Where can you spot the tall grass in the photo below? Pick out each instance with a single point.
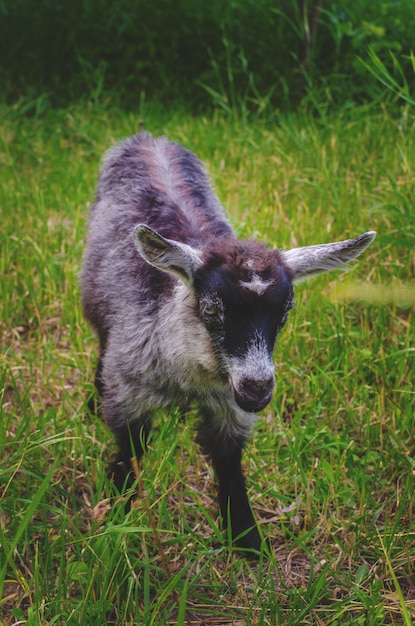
(331, 465)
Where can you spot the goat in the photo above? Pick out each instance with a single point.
(185, 310)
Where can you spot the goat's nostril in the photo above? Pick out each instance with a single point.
(252, 387)
(257, 388)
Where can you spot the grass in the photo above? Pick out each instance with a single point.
(331, 468)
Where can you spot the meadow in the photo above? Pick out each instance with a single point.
(331, 464)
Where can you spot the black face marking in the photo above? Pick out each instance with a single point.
(236, 316)
(255, 316)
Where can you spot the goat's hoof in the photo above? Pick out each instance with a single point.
(251, 544)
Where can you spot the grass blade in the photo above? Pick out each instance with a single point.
(23, 524)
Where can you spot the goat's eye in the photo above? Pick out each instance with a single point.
(210, 310)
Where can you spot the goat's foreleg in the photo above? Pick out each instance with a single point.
(225, 452)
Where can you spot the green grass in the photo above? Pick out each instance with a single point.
(331, 469)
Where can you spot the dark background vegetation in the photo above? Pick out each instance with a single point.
(266, 53)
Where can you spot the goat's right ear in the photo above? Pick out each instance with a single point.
(167, 255)
(312, 260)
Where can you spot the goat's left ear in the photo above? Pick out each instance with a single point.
(165, 254)
(312, 260)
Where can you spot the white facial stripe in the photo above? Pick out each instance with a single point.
(256, 285)
(255, 364)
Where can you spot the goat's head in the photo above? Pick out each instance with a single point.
(244, 292)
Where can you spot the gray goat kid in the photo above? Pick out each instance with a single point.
(186, 311)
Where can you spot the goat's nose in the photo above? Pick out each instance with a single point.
(257, 388)
(253, 394)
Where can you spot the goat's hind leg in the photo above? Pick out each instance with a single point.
(132, 442)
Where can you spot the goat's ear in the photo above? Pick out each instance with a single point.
(312, 260)
(165, 254)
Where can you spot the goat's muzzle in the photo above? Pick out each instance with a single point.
(253, 395)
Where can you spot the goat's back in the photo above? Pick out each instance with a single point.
(161, 184)
(154, 182)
